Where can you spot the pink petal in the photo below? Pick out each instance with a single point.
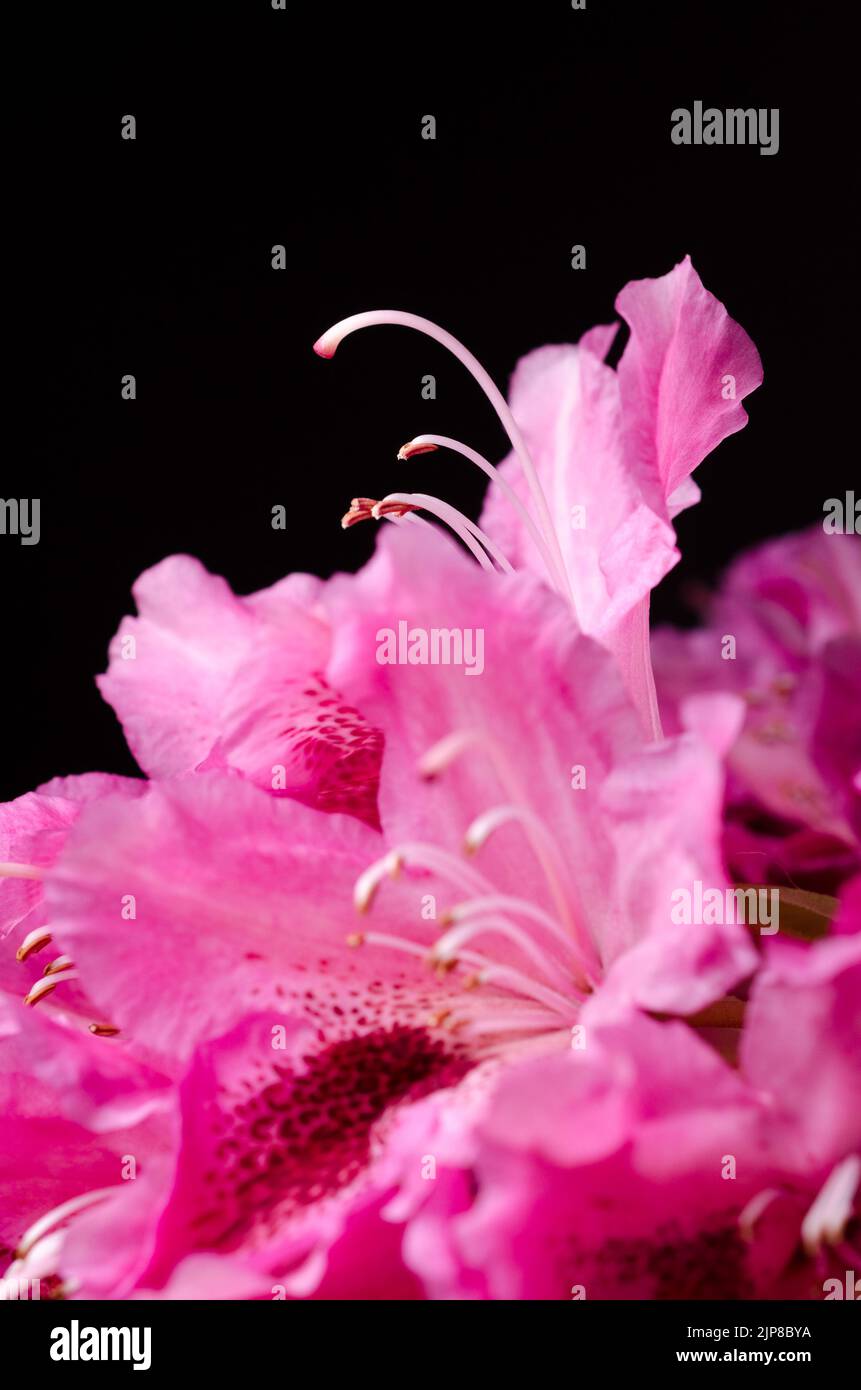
(625, 1200)
(614, 452)
(801, 1047)
(547, 699)
(567, 404)
(33, 829)
(241, 901)
(793, 610)
(220, 681)
(683, 345)
(277, 1146)
(665, 809)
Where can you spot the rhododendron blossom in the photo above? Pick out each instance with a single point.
(365, 912)
(605, 458)
(643, 1167)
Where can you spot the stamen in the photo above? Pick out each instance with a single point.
(392, 943)
(447, 955)
(509, 1023)
(465, 529)
(445, 752)
(34, 941)
(422, 444)
(449, 946)
(832, 1208)
(43, 1266)
(47, 985)
(518, 983)
(419, 856)
(753, 1211)
(460, 531)
(21, 871)
(514, 979)
(369, 880)
(52, 1219)
(547, 852)
(369, 509)
(452, 513)
(361, 509)
(481, 829)
(103, 1030)
(411, 518)
(42, 1261)
(463, 912)
(327, 345)
(55, 966)
(544, 845)
(429, 443)
(391, 506)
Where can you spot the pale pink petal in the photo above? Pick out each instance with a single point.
(48, 1064)
(33, 829)
(614, 547)
(545, 701)
(205, 679)
(614, 451)
(240, 900)
(677, 401)
(665, 810)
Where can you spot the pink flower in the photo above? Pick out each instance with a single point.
(514, 829)
(242, 907)
(242, 925)
(792, 612)
(643, 1167)
(605, 457)
(572, 879)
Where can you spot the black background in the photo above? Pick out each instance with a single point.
(257, 127)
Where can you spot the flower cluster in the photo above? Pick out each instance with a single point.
(371, 987)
